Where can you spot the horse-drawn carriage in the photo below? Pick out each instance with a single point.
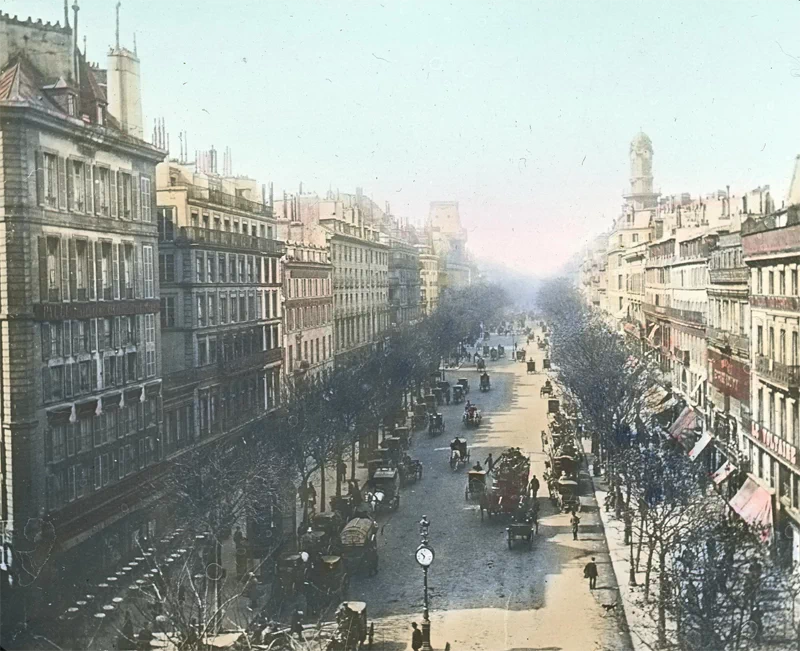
(521, 355)
(542, 344)
(359, 545)
(404, 434)
(485, 383)
(327, 580)
(546, 390)
(436, 424)
(352, 628)
(476, 484)
(472, 416)
(290, 570)
(464, 382)
(420, 415)
(568, 495)
(459, 453)
(480, 364)
(430, 402)
(458, 394)
(546, 364)
(521, 529)
(493, 354)
(384, 489)
(410, 470)
(531, 366)
(444, 387)
(501, 351)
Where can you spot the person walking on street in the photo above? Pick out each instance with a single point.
(416, 637)
(590, 572)
(574, 521)
(341, 470)
(489, 463)
(534, 486)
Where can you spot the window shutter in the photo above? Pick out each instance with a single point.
(135, 197)
(137, 271)
(98, 261)
(92, 335)
(115, 269)
(45, 329)
(71, 189)
(112, 177)
(73, 270)
(120, 196)
(43, 285)
(62, 183)
(66, 338)
(90, 269)
(39, 159)
(63, 254)
(96, 190)
(46, 389)
(89, 198)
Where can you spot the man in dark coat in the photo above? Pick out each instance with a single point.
(590, 572)
(416, 637)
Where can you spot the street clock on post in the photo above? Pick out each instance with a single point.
(424, 556)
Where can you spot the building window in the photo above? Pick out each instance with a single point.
(78, 186)
(166, 267)
(149, 289)
(150, 344)
(221, 267)
(167, 311)
(147, 209)
(125, 196)
(51, 180)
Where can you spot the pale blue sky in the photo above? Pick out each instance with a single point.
(522, 111)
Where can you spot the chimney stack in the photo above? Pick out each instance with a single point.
(75, 70)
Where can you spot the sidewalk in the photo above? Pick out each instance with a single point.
(641, 625)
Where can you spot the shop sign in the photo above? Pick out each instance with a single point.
(730, 377)
(776, 444)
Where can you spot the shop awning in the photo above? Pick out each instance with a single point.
(652, 334)
(753, 503)
(685, 421)
(701, 444)
(632, 329)
(722, 473)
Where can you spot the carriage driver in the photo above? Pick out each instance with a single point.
(478, 467)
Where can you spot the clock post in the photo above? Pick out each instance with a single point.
(424, 556)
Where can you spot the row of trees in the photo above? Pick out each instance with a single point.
(709, 577)
(250, 480)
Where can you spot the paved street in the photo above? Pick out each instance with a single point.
(484, 596)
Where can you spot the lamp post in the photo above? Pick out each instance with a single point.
(424, 556)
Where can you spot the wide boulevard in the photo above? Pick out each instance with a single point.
(483, 595)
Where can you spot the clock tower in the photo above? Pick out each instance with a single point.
(641, 195)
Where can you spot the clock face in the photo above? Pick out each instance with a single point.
(424, 556)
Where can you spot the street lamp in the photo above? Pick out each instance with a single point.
(424, 556)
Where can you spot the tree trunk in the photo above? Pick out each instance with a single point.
(338, 475)
(641, 539)
(663, 595)
(649, 568)
(322, 492)
(353, 460)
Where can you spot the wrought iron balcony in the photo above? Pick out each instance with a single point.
(689, 316)
(225, 200)
(781, 303)
(782, 374)
(737, 275)
(723, 339)
(198, 235)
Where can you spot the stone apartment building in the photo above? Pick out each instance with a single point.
(403, 273)
(221, 303)
(449, 241)
(308, 295)
(81, 370)
(429, 272)
(360, 266)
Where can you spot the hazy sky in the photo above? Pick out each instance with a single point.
(521, 111)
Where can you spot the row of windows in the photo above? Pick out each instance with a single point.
(348, 253)
(358, 330)
(75, 185)
(212, 308)
(228, 225)
(771, 413)
(68, 484)
(363, 277)
(775, 282)
(728, 315)
(310, 316)
(92, 431)
(308, 287)
(306, 255)
(776, 348)
(78, 337)
(237, 345)
(227, 268)
(313, 351)
(78, 269)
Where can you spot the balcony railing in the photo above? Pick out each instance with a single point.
(782, 303)
(654, 309)
(724, 339)
(783, 374)
(689, 316)
(225, 200)
(196, 234)
(259, 358)
(725, 276)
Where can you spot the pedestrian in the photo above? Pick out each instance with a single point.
(311, 497)
(416, 637)
(590, 572)
(534, 486)
(574, 521)
(341, 470)
(489, 462)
